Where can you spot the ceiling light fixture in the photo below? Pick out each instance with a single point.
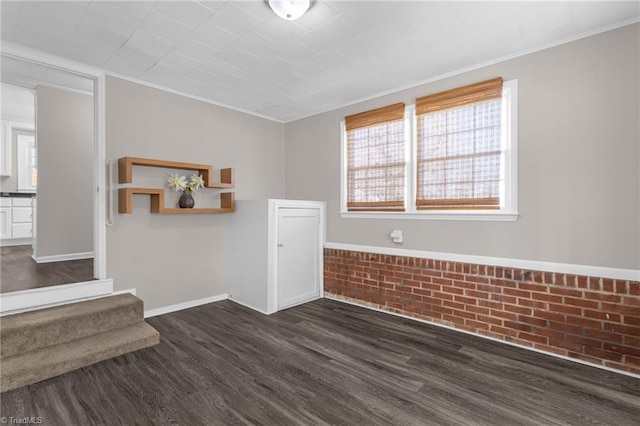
(289, 9)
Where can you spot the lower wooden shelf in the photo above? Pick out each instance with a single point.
(125, 202)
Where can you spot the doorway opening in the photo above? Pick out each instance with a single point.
(56, 189)
(49, 230)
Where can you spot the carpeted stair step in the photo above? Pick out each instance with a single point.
(44, 363)
(38, 329)
(41, 344)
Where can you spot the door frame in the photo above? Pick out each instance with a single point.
(25, 300)
(272, 241)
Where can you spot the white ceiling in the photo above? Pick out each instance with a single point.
(30, 75)
(240, 54)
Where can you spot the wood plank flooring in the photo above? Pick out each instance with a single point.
(322, 363)
(21, 272)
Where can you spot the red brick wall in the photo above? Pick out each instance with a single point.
(588, 318)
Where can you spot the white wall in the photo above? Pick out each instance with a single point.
(579, 156)
(18, 104)
(18, 107)
(172, 259)
(65, 144)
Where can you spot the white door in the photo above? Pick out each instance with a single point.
(298, 256)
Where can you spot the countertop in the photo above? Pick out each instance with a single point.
(18, 194)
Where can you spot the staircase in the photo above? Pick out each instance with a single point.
(41, 344)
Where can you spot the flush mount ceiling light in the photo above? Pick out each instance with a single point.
(289, 9)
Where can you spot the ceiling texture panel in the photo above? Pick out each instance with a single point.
(241, 55)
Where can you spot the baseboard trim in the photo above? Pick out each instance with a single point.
(563, 268)
(231, 299)
(186, 305)
(16, 242)
(578, 361)
(63, 257)
(45, 297)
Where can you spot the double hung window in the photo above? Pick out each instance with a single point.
(452, 155)
(376, 163)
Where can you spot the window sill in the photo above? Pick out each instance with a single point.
(421, 215)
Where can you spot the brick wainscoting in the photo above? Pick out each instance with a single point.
(587, 318)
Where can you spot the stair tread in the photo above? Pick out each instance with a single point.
(72, 310)
(29, 331)
(41, 364)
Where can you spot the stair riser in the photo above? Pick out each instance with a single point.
(21, 339)
(18, 374)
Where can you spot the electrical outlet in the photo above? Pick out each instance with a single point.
(396, 236)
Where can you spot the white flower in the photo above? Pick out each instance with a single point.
(195, 182)
(177, 182)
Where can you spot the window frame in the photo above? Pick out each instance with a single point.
(27, 161)
(509, 189)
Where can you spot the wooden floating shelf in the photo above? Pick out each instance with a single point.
(125, 202)
(125, 195)
(125, 170)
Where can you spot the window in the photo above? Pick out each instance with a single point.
(376, 165)
(459, 148)
(457, 160)
(27, 163)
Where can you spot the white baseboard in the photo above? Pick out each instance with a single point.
(63, 257)
(493, 339)
(37, 298)
(231, 299)
(562, 268)
(186, 305)
(16, 242)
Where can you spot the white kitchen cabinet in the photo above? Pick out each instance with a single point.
(276, 253)
(5, 222)
(16, 220)
(22, 202)
(21, 215)
(21, 230)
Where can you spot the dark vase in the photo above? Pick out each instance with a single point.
(186, 201)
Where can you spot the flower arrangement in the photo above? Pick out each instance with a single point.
(181, 183)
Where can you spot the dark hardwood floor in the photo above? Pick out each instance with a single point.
(321, 363)
(21, 272)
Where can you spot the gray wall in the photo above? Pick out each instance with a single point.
(65, 143)
(172, 259)
(579, 157)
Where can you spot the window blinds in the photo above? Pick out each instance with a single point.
(376, 159)
(459, 148)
